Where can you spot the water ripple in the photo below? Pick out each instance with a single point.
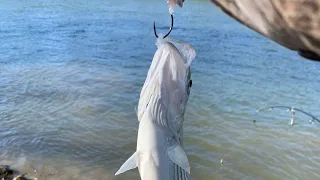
(71, 73)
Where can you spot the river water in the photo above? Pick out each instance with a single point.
(71, 73)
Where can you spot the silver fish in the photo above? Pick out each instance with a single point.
(162, 104)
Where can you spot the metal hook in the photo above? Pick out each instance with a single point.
(155, 31)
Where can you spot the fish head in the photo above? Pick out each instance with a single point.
(167, 86)
(176, 84)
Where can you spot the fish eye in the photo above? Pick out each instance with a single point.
(190, 83)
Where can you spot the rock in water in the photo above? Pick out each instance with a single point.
(7, 173)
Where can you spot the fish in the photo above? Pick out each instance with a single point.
(163, 100)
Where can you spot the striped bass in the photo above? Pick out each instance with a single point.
(159, 154)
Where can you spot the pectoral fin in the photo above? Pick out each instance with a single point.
(178, 156)
(131, 163)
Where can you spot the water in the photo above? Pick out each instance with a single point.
(71, 73)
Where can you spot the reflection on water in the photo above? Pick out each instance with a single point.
(71, 73)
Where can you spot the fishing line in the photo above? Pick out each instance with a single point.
(293, 112)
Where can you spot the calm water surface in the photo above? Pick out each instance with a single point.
(71, 73)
